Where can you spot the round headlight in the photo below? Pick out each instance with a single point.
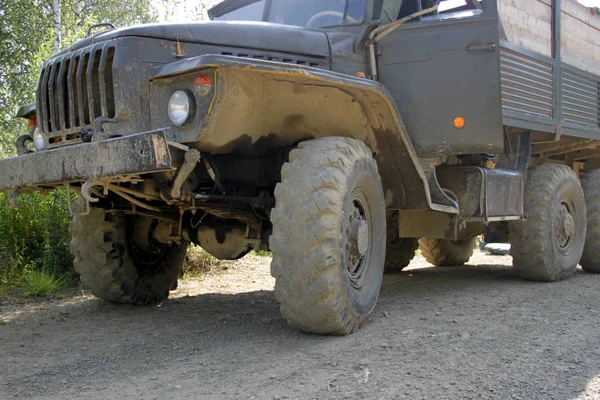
(181, 108)
(38, 139)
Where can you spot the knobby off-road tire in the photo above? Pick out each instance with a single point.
(112, 270)
(547, 246)
(399, 251)
(590, 260)
(447, 253)
(329, 236)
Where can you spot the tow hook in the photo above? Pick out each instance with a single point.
(192, 157)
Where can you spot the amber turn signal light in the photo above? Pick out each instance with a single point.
(459, 122)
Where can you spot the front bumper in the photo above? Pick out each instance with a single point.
(129, 155)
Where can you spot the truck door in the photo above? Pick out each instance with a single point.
(445, 66)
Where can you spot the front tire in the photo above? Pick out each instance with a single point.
(447, 253)
(113, 269)
(547, 246)
(328, 237)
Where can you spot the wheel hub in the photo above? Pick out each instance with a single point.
(565, 224)
(358, 239)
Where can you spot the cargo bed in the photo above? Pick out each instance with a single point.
(550, 77)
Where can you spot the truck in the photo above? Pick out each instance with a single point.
(339, 134)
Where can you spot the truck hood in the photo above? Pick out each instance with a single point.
(251, 35)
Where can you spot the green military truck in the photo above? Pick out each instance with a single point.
(339, 134)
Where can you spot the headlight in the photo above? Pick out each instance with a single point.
(38, 139)
(181, 107)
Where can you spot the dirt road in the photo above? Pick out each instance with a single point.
(437, 333)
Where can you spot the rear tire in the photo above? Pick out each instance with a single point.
(112, 269)
(399, 251)
(447, 253)
(590, 260)
(548, 245)
(328, 237)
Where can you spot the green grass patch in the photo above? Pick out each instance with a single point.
(41, 283)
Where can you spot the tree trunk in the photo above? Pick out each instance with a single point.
(56, 24)
(78, 21)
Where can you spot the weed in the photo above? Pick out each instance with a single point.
(198, 261)
(41, 283)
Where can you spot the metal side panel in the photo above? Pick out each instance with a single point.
(129, 155)
(580, 95)
(504, 194)
(527, 85)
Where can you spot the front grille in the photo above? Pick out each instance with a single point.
(75, 89)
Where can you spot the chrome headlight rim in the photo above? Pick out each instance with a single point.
(38, 139)
(181, 107)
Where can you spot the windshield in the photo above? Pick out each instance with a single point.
(305, 13)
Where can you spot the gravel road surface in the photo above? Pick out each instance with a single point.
(473, 332)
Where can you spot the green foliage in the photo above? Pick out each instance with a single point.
(27, 39)
(41, 283)
(24, 35)
(34, 237)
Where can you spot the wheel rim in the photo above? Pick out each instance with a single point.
(358, 234)
(564, 227)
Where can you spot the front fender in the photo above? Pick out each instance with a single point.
(261, 105)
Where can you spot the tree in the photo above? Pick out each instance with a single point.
(31, 30)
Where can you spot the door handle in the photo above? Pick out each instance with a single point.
(483, 47)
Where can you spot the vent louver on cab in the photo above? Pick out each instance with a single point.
(75, 89)
(270, 57)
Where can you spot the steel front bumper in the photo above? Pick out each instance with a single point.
(129, 155)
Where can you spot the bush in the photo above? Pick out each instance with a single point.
(35, 237)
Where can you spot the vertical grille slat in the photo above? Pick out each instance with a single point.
(102, 82)
(90, 86)
(60, 95)
(42, 100)
(71, 85)
(84, 116)
(105, 81)
(53, 126)
(75, 89)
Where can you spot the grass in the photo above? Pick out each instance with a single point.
(41, 283)
(3, 292)
(198, 262)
